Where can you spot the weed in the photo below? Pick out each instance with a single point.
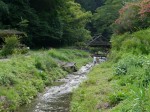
(22, 77)
(116, 98)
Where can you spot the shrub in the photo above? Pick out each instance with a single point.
(8, 79)
(136, 69)
(144, 8)
(20, 50)
(13, 46)
(130, 60)
(133, 16)
(128, 20)
(10, 44)
(38, 84)
(135, 43)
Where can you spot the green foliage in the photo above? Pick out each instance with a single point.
(116, 98)
(75, 20)
(12, 46)
(140, 100)
(21, 50)
(10, 102)
(22, 77)
(8, 79)
(11, 43)
(121, 84)
(133, 17)
(56, 54)
(105, 16)
(129, 60)
(135, 43)
(90, 95)
(26, 91)
(132, 70)
(52, 23)
(45, 63)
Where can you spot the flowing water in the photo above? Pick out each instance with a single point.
(57, 97)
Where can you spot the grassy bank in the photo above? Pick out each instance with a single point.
(22, 77)
(93, 93)
(123, 83)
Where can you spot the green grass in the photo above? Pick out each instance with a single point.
(22, 77)
(92, 94)
(106, 91)
(123, 83)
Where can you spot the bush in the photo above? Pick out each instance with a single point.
(129, 60)
(133, 16)
(137, 69)
(10, 44)
(135, 43)
(20, 50)
(8, 79)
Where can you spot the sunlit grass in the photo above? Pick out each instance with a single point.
(23, 76)
(121, 85)
(92, 94)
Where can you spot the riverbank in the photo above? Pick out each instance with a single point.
(22, 77)
(122, 84)
(57, 97)
(92, 94)
(107, 91)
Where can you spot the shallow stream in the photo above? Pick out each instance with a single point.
(57, 97)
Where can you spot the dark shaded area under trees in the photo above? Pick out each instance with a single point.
(56, 23)
(90, 5)
(48, 23)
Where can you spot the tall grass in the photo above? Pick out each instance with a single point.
(22, 77)
(137, 43)
(128, 78)
(132, 69)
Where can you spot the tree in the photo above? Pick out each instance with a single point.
(47, 22)
(105, 16)
(75, 20)
(133, 16)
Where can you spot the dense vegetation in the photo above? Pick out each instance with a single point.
(47, 23)
(122, 84)
(56, 23)
(22, 77)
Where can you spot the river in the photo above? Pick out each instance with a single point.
(57, 97)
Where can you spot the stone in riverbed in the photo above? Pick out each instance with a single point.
(70, 67)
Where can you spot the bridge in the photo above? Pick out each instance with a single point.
(99, 41)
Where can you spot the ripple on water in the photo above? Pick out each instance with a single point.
(57, 97)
